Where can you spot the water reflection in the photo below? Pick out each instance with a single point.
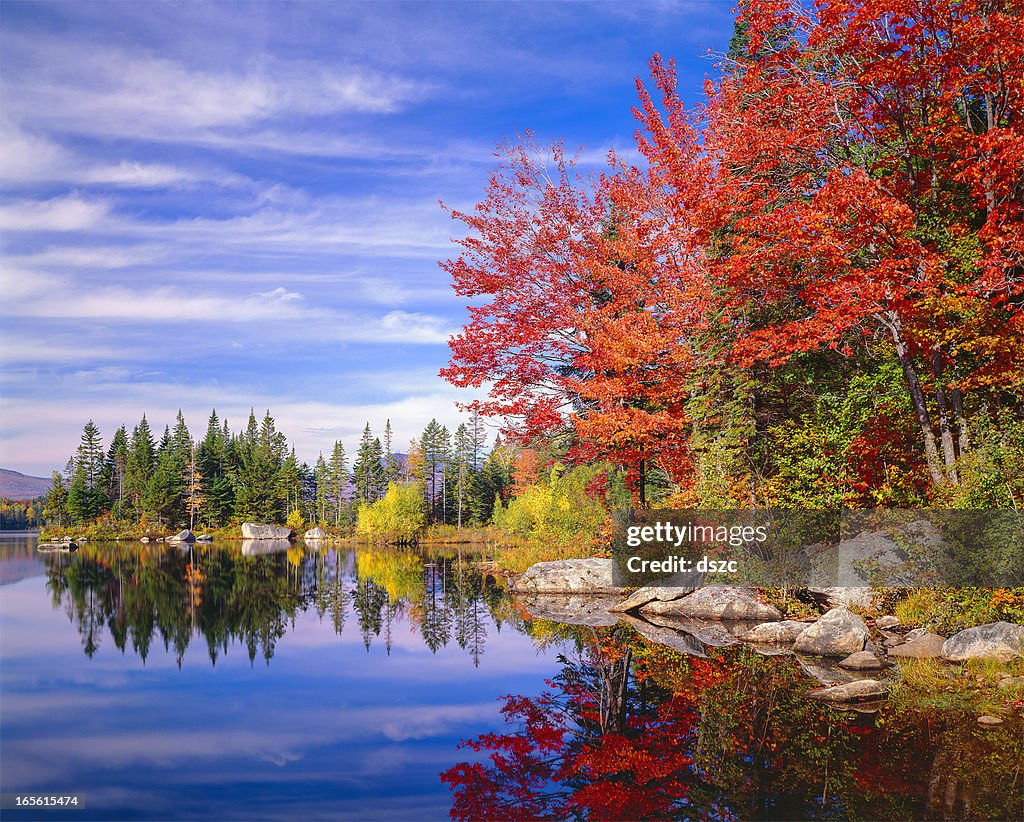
(250, 594)
(378, 662)
(635, 730)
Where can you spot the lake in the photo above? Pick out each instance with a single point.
(222, 682)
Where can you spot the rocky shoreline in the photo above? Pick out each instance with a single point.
(838, 649)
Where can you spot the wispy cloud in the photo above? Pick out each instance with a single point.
(133, 93)
(71, 212)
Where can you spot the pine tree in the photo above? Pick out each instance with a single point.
(56, 508)
(141, 459)
(320, 476)
(368, 472)
(430, 445)
(462, 470)
(391, 468)
(85, 496)
(336, 477)
(212, 460)
(114, 469)
(477, 440)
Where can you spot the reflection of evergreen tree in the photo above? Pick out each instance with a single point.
(329, 595)
(437, 619)
(370, 599)
(174, 596)
(469, 609)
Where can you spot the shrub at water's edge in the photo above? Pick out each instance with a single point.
(560, 518)
(397, 518)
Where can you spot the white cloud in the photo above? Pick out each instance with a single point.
(282, 295)
(71, 212)
(30, 158)
(101, 257)
(131, 93)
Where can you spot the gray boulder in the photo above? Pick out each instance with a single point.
(658, 593)
(660, 635)
(862, 661)
(253, 530)
(571, 609)
(827, 672)
(204, 538)
(182, 536)
(774, 633)
(315, 534)
(1001, 641)
(569, 576)
(925, 646)
(845, 596)
(886, 623)
(837, 633)
(258, 547)
(715, 634)
(716, 602)
(863, 690)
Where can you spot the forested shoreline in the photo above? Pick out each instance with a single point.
(807, 291)
(137, 483)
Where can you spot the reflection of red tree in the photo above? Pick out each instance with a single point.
(756, 747)
(550, 769)
(592, 747)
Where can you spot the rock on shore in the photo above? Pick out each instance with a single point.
(862, 690)
(837, 633)
(569, 576)
(716, 602)
(253, 530)
(1001, 641)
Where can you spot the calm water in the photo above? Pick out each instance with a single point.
(314, 685)
(228, 682)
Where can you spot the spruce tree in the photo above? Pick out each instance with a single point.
(320, 475)
(141, 457)
(336, 478)
(114, 469)
(368, 472)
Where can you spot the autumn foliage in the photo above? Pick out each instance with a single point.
(847, 194)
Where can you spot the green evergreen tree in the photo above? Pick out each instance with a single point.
(431, 447)
(335, 480)
(114, 468)
(56, 508)
(368, 471)
(85, 496)
(212, 458)
(391, 467)
(461, 471)
(320, 477)
(141, 460)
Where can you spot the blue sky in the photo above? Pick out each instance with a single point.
(235, 205)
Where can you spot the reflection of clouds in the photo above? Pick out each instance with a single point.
(282, 758)
(429, 721)
(292, 735)
(342, 730)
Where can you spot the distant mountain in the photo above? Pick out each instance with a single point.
(15, 485)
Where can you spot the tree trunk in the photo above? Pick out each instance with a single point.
(963, 436)
(948, 451)
(931, 452)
